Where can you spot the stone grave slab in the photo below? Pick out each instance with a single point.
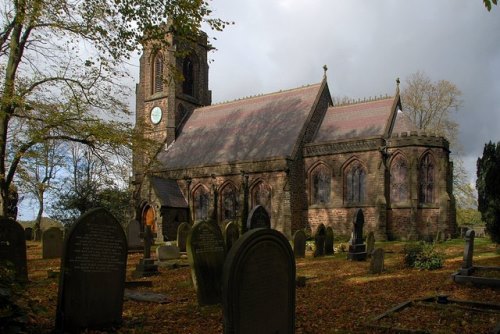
(258, 218)
(52, 243)
(167, 252)
(13, 248)
(92, 279)
(206, 255)
(182, 234)
(146, 266)
(329, 241)
(133, 235)
(299, 244)
(377, 261)
(319, 241)
(231, 234)
(259, 284)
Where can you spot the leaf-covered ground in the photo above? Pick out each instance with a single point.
(340, 296)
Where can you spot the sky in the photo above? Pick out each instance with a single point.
(282, 44)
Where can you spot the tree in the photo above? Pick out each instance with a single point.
(488, 189)
(91, 182)
(488, 4)
(61, 69)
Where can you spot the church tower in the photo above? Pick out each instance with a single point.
(172, 82)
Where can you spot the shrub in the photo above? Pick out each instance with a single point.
(411, 252)
(422, 256)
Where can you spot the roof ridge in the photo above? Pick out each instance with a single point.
(259, 95)
(349, 101)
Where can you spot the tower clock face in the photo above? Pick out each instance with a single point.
(156, 115)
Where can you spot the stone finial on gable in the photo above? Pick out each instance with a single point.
(325, 68)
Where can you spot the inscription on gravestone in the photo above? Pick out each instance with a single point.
(206, 255)
(182, 234)
(259, 284)
(258, 218)
(92, 273)
(299, 244)
(13, 248)
(52, 243)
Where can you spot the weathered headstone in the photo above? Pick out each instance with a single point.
(167, 252)
(357, 248)
(319, 241)
(258, 218)
(231, 234)
(377, 261)
(370, 243)
(133, 235)
(52, 243)
(182, 234)
(299, 244)
(467, 266)
(206, 254)
(146, 266)
(13, 248)
(440, 236)
(92, 276)
(329, 241)
(28, 233)
(259, 284)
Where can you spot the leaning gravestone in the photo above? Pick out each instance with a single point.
(133, 235)
(258, 218)
(370, 243)
(13, 248)
(377, 261)
(231, 234)
(319, 241)
(329, 241)
(206, 254)
(92, 277)
(259, 284)
(182, 234)
(28, 232)
(52, 243)
(357, 249)
(299, 244)
(467, 265)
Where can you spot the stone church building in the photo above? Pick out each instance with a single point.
(306, 160)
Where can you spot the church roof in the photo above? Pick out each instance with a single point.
(255, 128)
(403, 123)
(168, 192)
(358, 120)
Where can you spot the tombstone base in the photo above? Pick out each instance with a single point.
(357, 252)
(466, 271)
(145, 268)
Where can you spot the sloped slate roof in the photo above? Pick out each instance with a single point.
(251, 129)
(168, 192)
(359, 120)
(403, 124)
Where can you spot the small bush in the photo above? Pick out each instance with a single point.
(422, 256)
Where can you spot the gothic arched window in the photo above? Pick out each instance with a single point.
(399, 180)
(426, 180)
(201, 201)
(355, 183)
(188, 74)
(229, 202)
(261, 195)
(320, 185)
(157, 83)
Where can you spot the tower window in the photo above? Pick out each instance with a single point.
(157, 74)
(399, 180)
(188, 74)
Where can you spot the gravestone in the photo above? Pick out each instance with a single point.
(167, 252)
(357, 248)
(370, 243)
(28, 233)
(467, 266)
(299, 244)
(319, 241)
(377, 261)
(92, 277)
(182, 234)
(133, 235)
(146, 266)
(258, 218)
(206, 254)
(231, 234)
(52, 243)
(13, 248)
(259, 284)
(329, 241)
(440, 236)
